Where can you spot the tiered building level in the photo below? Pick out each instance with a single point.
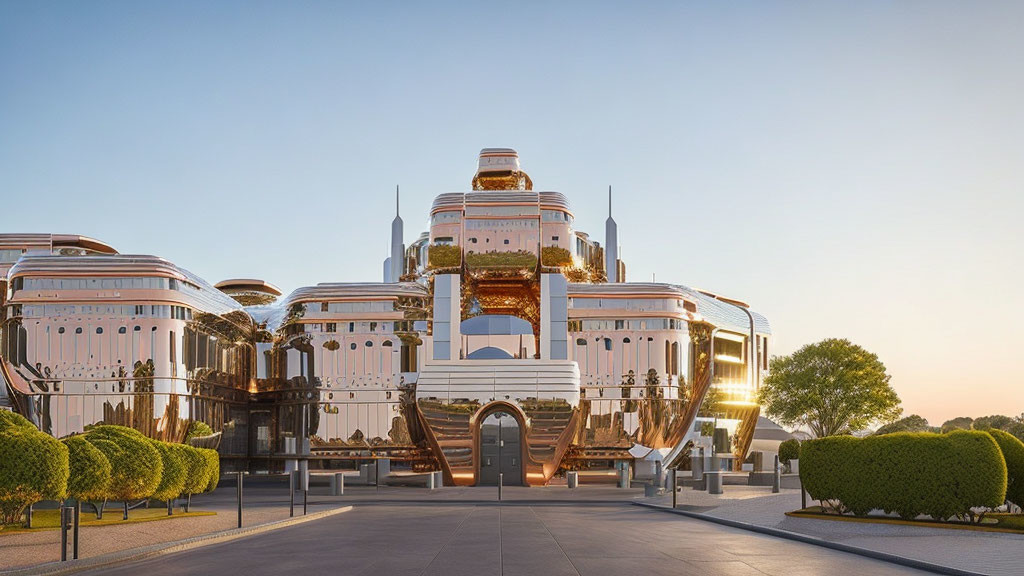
(501, 341)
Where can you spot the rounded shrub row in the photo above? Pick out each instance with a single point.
(1013, 452)
(940, 475)
(108, 463)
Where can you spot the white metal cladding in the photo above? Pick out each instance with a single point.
(523, 378)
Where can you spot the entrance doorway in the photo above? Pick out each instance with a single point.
(500, 450)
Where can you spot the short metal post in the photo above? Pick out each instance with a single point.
(803, 495)
(66, 516)
(776, 476)
(291, 494)
(78, 514)
(305, 493)
(28, 516)
(239, 499)
(675, 493)
(376, 474)
(501, 478)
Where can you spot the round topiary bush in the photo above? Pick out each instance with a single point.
(981, 475)
(212, 468)
(135, 465)
(33, 467)
(90, 469)
(172, 479)
(198, 429)
(1013, 453)
(197, 470)
(789, 450)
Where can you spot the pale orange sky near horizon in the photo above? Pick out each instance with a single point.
(852, 170)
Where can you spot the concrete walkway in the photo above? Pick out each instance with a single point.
(451, 539)
(262, 506)
(997, 554)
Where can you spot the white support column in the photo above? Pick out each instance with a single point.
(447, 317)
(554, 317)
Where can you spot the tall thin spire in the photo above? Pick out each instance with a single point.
(611, 241)
(396, 262)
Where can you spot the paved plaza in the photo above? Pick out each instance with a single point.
(448, 538)
(535, 531)
(996, 554)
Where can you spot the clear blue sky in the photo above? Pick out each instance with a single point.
(851, 169)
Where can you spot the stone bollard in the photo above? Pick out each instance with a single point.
(714, 475)
(572, 479)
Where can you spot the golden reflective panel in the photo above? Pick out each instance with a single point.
(545, 429)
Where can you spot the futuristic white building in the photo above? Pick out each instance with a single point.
(501, 341)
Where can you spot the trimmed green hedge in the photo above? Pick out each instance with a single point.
(10, 419)
(1013, 453)
(197, 474)
(789, 450)
(172, 478)
(33, 467)
(555, 256)
(940, 475)
(90, 469)
(444, 256)
(136, 466)
(212, 468)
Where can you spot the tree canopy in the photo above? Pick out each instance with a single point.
(1013, 425)
(832, 387)
(912, 423)
(961, 423)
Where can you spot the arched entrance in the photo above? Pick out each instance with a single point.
(501, 450)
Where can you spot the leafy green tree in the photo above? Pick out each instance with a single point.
(789, 450)
(33, 467)
(961, 423)
(90, 469)
(172, 479)
(912, 423)
(212, 468)
(135, 465)
(996, 421)
(832, 387)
